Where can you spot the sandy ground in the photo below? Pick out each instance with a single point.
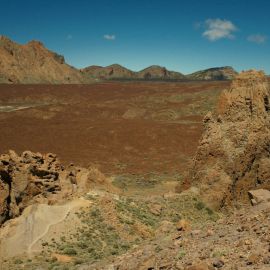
(25, 233)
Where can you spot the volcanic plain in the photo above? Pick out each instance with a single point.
(137, 131)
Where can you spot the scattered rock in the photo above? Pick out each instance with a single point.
(183, 225)
(200, 266)
(253, 259)
(259, 196)
(218, 263)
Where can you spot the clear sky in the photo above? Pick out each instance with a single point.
(183, 35)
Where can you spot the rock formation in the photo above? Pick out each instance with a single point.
(33, 63)
(218, 73)
(35, 178)
(234, 153)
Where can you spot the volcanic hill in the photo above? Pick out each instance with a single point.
(114, 71)
(218, 73)
(158, 72)
(32, 63)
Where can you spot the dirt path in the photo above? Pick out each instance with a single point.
(64, 212)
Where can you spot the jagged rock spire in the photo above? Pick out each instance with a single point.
(234, 152)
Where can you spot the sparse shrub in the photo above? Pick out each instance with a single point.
(63, 238)
(219, 253)
(181, 254)
(199, 205)
(18, 261)
(78, 261)
(70, 251)
(209, 211)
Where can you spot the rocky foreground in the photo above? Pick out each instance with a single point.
(237, 241)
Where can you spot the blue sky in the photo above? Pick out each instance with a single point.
(185, 35)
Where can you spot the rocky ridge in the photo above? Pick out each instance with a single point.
(233, 154)
(33, 63)
(155, 72)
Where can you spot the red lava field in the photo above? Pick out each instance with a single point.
(121, 127)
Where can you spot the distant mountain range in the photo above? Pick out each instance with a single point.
(117, 72)
(33, 63)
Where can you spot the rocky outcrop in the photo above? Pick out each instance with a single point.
(218, 73)
(35, 178)
(234, 152)
(33, 63)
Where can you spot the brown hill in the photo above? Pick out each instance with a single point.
(218, 73)
(33, 63)
(114, 71)
(233, 155)
(158, 72)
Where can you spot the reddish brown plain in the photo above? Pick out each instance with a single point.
(121, 127)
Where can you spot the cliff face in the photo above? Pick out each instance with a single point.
(33, 63)
(234, 153)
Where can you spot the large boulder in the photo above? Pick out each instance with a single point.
(259, 196)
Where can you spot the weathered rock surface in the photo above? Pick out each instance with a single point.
(233, 156)
(259, 196)
(35, 178)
